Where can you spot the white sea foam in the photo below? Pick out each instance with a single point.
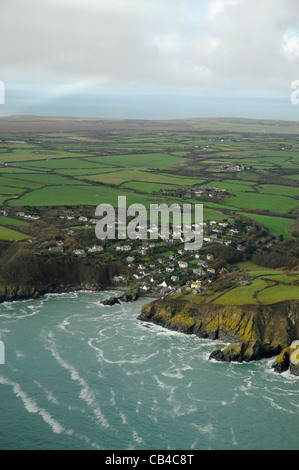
(136, 360)
(112, 399)
(234, 440)
(86, 392)
(207, 429)
(49, 395)
(169, 389)
(32, 407)
(20, 355)
(137, 438)
(276, 406)
(138, 405)
(123, 418)
(174, 375)
(62, 326)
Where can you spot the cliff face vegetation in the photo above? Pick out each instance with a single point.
(24, 274)
(253, 331)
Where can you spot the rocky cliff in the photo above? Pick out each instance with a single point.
(28, 276)
(253, 331)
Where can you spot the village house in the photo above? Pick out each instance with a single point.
(119, 278)
(183, 264)
(195, 285)
(123, 248)
(140, 275)
(169, 270)
(145, 287)
(80, 253)
(202, 263)
(198, 271)
(95, 249)
(163, 284)
(56, 249)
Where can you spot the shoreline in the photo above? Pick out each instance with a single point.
(35, 293)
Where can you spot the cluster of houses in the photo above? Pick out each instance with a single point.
(77, 252)
(23, 215)
(160, 266)
(175, 270)
(170, 275)
(233, 167)
(81, 219)
(195, 192)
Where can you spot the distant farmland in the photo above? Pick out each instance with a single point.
(256, 162)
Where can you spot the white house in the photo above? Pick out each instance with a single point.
(96, 249)
(80, 253)
(183, 264)
(169, 270)
(163, 284)
(195, 284)
(123, 248)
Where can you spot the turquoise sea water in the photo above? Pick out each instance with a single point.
(79, 375)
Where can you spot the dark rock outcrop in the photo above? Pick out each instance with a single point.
(128, 296)
(111, 301)
(288, 359)
(27, 275)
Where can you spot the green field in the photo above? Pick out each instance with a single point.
(265, 287)
(11, 235)
(9, 221)
(93, 166)
(75, 196)
(242, 295)
(279, 204)
(276, 225)
(278, 294)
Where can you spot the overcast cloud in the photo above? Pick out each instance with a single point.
(148, 46)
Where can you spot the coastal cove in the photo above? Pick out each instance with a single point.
(252, 332)
(81, 375)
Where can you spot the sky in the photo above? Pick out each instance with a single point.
(150, 59)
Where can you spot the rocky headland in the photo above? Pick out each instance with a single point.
(252, 331)
(25, 275)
